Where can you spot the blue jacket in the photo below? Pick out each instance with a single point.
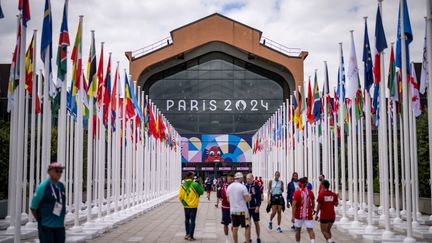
(255, 192)
(290, 191)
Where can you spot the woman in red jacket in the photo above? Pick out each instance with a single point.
(327, 200)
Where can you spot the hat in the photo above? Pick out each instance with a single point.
(55, 165)
(238, 175)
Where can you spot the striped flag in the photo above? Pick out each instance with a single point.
(46, 45)
(14, 74)
(24, 7)
(62, 47)
(91, 68)
(310, 101)
(380, 46)
(29, 66)
(415, 96)
(114, 95)
(317, 101)
(107, 92)
(424, 76)
(77, 70)
(392, 78)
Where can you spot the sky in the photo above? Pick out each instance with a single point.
(316, 26)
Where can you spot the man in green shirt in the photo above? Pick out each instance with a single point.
(48, 206)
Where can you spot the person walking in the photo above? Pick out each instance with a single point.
(275, 190)
(48, 206)
(189, 193)
(302, 206)
(321, 187)
(238, 196)
(225, 205)
(255, 203)
(291, 188)
(327, 200)
(208, 187)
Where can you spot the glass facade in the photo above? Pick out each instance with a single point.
(216, 94)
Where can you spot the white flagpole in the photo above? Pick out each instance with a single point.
(344, 218)
(397, 219)
(25, 160)
(369, 165)
(429, 92)
(89, 185)
(336, 155)
(31, 223)
(390, 156)
(407, 146)
(39, 133)
(20, 135)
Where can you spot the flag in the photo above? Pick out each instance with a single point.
(359, 102)
(415, 96)
(77, 70)
(46, 45)
(367, 61)
(424, 76)
(62, 47)
(132, 107)
(24, 7)
(392, 78)
(310, 101)
(1, 12)
(91, 68)
(14, 74)
(353, 76)
(107, 92)
(326, 89)
(408, 34)
(317, 102)
(161, 128)
(29, 66)
(114, 95)
(298, 112)
(341, 77)
(100, 83)
(152, 122)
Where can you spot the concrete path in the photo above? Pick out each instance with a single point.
(166, 224)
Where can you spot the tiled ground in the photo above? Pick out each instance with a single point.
(166, 224)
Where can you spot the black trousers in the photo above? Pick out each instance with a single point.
(190, 216)
(51, 235)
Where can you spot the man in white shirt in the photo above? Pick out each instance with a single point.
(238, 195)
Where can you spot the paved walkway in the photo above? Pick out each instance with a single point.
(166, 224)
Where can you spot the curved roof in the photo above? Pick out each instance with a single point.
(217, 27)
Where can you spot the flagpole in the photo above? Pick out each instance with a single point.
(429, 92)
(397, 219)
(390, 156)
(344, 218)
(31, 223)
(409, 237)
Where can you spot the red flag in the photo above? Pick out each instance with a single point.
(310, 101)
(24, 7)
(101, 83)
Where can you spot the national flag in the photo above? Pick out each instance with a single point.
(359, 103)
(132, 108)
(161, 128)
(326, 89)
(424, 76)
(14, 74)
(77, 70)
(91, 68)
(62, 47)
(317, 102)
(341, 77)
(1, 12)
(46, 45)
(392, 78)
(298, 112)
(114, 97)
(29, 66)
(107, 92)
(353, 75)
(310, 101)
(152, 121)
(408, 35)
(24, 7)
(367, 61)
(415, 96)
(100, 83)
(380, 46)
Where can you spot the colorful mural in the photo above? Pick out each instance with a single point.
(216, 148)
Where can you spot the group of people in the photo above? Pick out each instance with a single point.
(241, 201)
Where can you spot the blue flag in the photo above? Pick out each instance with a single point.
(1, 12)
(134, 99)
(367, 61)
(408, 34)
(341, 78)
(46, 44)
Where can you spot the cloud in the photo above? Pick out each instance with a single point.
(316, 26)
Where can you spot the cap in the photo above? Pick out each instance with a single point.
(55, 165)
(238, 175)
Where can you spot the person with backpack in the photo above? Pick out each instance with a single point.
(275, 190)
(189, 194)
(303, 205)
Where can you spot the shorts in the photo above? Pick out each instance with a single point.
(298, 223)
(239, 220)
(226, 217)
(208, 191)
(253, 215)
(276, 200)
(326, 221)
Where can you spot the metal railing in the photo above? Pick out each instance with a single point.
(279, 47)
(152, 47)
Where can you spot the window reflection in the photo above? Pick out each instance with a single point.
(220, 77)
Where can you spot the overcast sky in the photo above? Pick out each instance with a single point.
(316, 26)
